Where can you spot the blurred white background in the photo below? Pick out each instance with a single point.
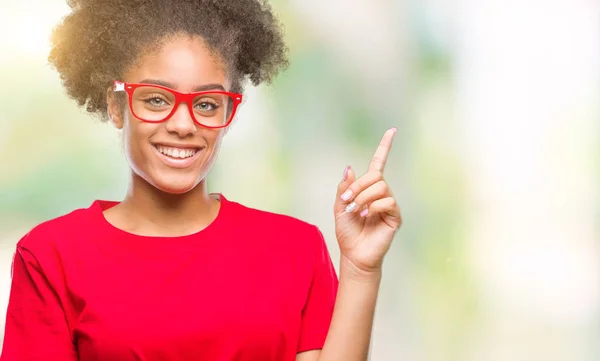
(495, 165)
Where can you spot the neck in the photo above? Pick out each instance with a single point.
(152, 208)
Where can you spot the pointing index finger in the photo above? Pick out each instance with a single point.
(383, 149)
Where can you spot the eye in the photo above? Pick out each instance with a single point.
(206, 105)
(156, 101)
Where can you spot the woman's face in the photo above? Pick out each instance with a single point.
(185, 64)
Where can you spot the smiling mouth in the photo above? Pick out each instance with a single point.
(176, 153)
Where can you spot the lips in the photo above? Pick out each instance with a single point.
(179, 156)
(176, 152)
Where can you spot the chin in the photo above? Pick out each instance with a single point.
(174, 186)
(175, 191)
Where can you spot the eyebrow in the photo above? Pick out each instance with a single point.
(172, 86)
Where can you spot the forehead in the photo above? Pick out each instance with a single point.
(184, 61)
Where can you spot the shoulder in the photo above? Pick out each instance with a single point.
(57, 231)
(291, 243)
(267, 221)
(277, 233)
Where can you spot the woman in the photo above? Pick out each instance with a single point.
(172, 272)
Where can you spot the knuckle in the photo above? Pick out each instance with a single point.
(393, 203)
(359, 186)
(377, 175)
(358, 198)
(381, 188)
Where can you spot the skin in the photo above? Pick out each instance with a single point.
(165, 201)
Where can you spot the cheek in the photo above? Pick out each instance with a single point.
(135, 143)
(215, 140)
(214, 147)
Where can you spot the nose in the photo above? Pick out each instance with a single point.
(181, 122)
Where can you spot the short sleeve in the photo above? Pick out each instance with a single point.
(318, 310)
(36, 327)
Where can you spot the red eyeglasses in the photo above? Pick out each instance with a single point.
(156, 103)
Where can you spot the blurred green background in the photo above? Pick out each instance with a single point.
(495, 164)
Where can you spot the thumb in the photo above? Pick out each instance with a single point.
(347, 180)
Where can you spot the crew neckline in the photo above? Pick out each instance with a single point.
(99, 206)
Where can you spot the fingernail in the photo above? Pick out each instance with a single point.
(346, 173)
(346, 195)
(364, 212)
(395, 129)
(351, 207)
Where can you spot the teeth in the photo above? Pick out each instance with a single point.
(176, 152)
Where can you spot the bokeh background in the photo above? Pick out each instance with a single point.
(495, 165)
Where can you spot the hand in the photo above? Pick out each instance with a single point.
(366, 214)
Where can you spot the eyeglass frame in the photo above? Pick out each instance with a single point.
(129, 88)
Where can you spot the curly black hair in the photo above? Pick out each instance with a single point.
(100, 39)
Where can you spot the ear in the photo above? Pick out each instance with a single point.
(115, 113)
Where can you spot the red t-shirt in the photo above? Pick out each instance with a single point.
(252, 285)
